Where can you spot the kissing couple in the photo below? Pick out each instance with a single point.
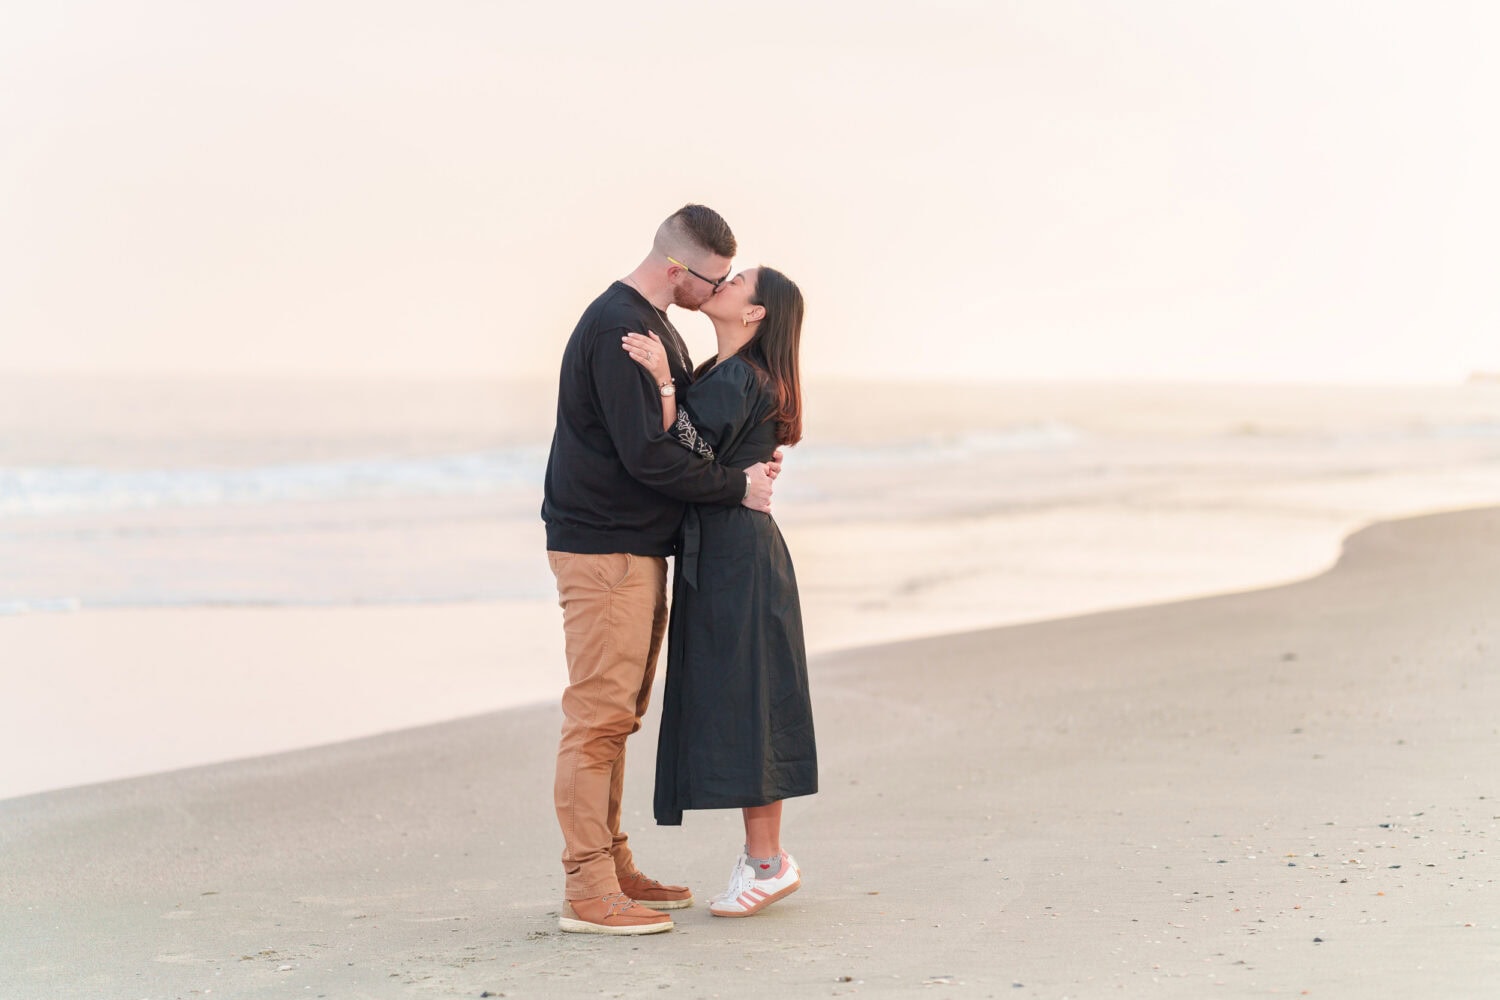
(653, 457)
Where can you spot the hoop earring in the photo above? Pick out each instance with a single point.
(744, 321)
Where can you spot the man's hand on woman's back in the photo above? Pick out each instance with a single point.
(758, 488)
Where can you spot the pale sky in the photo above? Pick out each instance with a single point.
(1187, 190)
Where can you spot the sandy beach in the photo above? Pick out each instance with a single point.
(1290, 791)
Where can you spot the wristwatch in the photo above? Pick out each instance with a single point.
(667, 388)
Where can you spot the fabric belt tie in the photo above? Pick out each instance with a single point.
(692, 541)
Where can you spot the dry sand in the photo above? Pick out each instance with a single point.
(1285, 792)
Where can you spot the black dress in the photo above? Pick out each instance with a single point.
(736, 725)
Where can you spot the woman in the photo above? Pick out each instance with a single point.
(736, 727)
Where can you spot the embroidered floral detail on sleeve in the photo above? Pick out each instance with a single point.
(689, 438)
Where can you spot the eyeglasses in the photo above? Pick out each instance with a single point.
(703, 277)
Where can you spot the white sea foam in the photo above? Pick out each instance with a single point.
(1473, 429)
(22, 607)
(74, 490)
(1047, 435)
(46, 490)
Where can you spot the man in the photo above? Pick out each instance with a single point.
(616, 490)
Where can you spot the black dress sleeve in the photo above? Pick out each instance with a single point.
(725, 404)
(627, 403)
(688, 436)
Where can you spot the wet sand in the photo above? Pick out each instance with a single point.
(1278, 792)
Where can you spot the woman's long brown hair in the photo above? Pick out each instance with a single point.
(774, 349)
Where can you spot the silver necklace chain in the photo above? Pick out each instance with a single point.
(667, 327)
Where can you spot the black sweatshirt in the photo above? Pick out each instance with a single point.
(616, 482)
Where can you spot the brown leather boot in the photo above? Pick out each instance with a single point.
(614, 913)
(649, 892)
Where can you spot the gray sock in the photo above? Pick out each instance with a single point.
(765, 867)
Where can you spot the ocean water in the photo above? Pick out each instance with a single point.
(47, 490)
(131, 494)
(149, 494)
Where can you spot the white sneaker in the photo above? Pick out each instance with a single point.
(748, 895)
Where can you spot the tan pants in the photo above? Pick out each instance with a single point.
(614, 618)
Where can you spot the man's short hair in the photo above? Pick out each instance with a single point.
(699, 226)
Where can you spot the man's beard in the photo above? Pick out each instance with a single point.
(680, 298)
